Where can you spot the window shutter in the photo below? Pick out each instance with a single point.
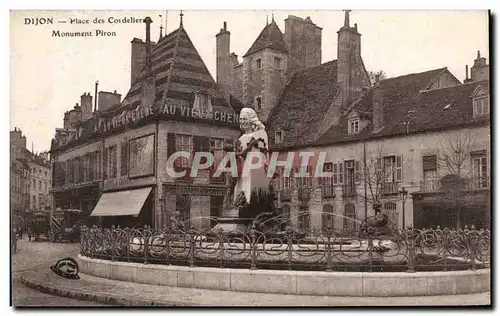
(105, 163)
(429, 163)
(80, 161)
(91, 167)
(357, 176)
(399, 168)
(98, 165)
(335, 174)
(124, 158)
(341, 173)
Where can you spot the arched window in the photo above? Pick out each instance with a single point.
(350, 217)
(390, 210)
(327, 217)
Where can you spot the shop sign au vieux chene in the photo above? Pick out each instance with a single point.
(142, 112)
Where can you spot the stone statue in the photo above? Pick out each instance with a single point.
(250, 193)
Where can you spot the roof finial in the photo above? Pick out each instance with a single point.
(161, 27)
(346, 18)
(272, 16)
(478, 54)
(181, 15)
(267, 19)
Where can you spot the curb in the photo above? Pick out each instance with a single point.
(98, 298)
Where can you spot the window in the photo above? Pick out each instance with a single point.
(328, 189)
(429, 167)
(34, 184)
(277, 62)
(278, 136)
(350, 217)
(353, 126)
(45, 173)
(304, 218)
(183, 143)
(327, 217)
(202, 103)
(479, 169)
(481, 106)
(390, 210)
(46, 191)
(258, 103)
(85, 160)
(258, 64)
(284, 181)
(97, 165)
(124, 158)
(217, 149)
(392, 168)
(112, 161)
(183, 205)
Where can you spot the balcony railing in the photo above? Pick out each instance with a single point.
(349, 190)
(389, 187)
(467, 184)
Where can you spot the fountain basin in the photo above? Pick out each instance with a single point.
(293, 282)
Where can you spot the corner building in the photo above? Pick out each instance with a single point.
(111, 161)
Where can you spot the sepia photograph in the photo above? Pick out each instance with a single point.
(250, 158)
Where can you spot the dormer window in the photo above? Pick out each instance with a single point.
(202, 103)
(258, 64)
(481, 106)
(258, 103)
(279, 136)
(353, 126)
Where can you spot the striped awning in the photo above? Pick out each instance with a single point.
(121, 203)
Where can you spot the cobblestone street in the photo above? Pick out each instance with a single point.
(39, 256)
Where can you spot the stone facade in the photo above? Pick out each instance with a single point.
(412, 149)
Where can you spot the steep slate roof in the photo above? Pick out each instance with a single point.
(303, 104)
(179, 72)
(405, 100)
(270, 37)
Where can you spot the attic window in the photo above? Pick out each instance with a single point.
(202, 103)
(279, 136)
(258, 63)
(353, 126)
(481, 106)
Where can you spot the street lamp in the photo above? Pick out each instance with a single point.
(403, 194)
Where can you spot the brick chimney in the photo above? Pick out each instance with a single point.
(107, 100)
(66, 120)
(86, 104)
(148, 22)
(378, 105)
(223, 60)
(480, 70)
(351, 74)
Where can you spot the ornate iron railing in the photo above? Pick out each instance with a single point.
(371, 248)
(467, 184)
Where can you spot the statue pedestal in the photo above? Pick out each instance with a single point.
(230, 221)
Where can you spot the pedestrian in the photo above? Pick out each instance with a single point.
(14, 239)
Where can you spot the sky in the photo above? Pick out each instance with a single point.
(49, 74)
